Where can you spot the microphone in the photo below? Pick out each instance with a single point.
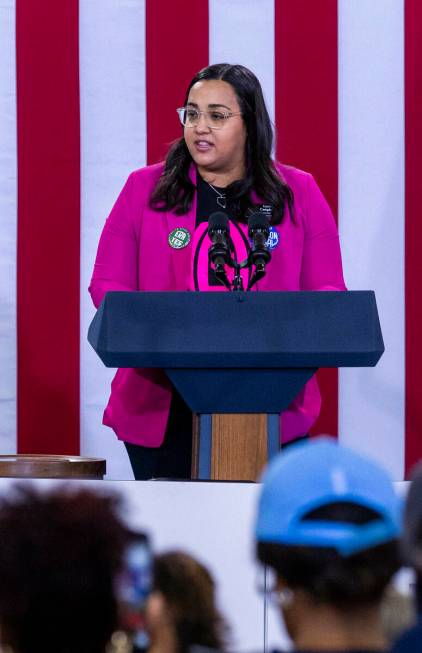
(218, 232)
(258, 232)
(219, 252)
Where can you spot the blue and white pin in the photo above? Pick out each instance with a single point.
(273, 238)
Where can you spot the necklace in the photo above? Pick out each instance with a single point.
(221, 199)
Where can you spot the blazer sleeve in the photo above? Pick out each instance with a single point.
(321, 259)
(116, 263)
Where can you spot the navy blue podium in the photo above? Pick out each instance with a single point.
(237, 352)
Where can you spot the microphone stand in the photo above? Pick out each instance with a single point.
(258, 257)
(216, 255)
(221, 275)
(237, 279)
(257, 275)
(237, 283)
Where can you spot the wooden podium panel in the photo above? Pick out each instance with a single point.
(239, 448)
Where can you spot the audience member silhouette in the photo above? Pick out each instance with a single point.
(327, 526)
(411, 640)
(60, 554)
(181, 611)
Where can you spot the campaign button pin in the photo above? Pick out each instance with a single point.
(273, 238)
(179, 238)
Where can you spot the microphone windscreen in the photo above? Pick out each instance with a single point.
(218, 220)
(258, 220)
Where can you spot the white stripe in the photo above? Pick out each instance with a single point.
(8, 213)
(242, 31)
(113, 143)
(371, 173)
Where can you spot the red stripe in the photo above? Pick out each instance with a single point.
(306, 119)
(176, 49)
(413, 228)
(48, 226)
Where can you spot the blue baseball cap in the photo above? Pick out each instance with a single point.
(316, 474)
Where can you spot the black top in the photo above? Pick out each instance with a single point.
(206, 205)
(209, 201)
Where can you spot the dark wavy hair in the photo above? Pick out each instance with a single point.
(60, 552)
(175, 190)
(324, 574)
(189, 591)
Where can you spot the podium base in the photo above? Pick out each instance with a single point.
(233, 447)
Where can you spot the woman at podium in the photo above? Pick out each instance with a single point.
(155, 239)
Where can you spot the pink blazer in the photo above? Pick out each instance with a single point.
(134, 254)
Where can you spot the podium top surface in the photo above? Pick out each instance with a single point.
(237, 329)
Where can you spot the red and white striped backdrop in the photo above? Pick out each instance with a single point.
(88, 92)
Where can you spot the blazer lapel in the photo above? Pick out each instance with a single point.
(181, 259)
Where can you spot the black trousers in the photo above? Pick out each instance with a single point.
(301, 438)
(173, 458)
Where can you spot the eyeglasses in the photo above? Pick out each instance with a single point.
(215, 119)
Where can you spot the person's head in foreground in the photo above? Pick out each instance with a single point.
(412, 532)
(327, 525)
(411, 640)
(181, 611)
(60, 552)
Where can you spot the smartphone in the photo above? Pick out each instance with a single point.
(133, 588)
